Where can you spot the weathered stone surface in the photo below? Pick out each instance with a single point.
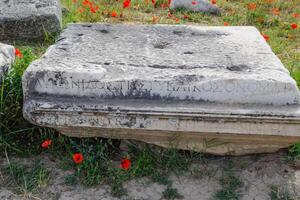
(7, 57)
(196, 6)
(216, 89)
(214, 64)
(29, 19)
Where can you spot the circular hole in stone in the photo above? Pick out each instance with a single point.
(161, 45)
(104, 31)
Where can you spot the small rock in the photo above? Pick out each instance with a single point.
(65, 10)
(29, 19)
(7, 57)
(196, 5)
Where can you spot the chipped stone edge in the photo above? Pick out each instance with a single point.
(7, 58)
(224, 134)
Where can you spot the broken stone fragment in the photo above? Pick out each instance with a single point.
(7, 57)
(196, 5)
(29, 19)
(214, 89)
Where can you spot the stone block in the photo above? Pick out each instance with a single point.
(29, 19)
(7, 57)
(196, 6)
(214, 89)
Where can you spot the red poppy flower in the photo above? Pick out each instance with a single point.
(93, 10)
(295, 15)
(74, 1)
(214, 1)
(87, 3)
(77, 158)
(126, 3)
(46, 144)
(114, 14)
(275, 11)
(252, 6)
(266, 37)
(125, 163)
(186, 17)
(163, 6)
(294, 26)
(226, 24)
(194, 2)
(169, 2)
(18, 53)
(153, 2)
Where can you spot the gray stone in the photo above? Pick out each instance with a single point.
(196, 6)
(29, 19)
(7, 57)
(192, 85)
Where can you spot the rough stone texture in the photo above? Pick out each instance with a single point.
(29, 19)
(215, 64)
(7, 57)
(215, 89)
(196, 6)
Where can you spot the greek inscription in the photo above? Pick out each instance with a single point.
(172, 88)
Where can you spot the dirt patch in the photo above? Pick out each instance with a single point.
(260, 177)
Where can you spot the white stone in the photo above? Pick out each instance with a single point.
(29, 19)
(196, 86)
(214, 64)
(196, 6)
(7, 57)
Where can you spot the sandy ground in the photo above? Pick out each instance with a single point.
(258, 174)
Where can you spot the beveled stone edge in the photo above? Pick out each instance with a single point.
(163, 121)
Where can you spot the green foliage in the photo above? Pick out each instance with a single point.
(277, 194)
(28, 179)
(11, 119)
(230, 185)
(71, 179)
(171, 194)
(95, 166)
(296, 75)
(294, 152)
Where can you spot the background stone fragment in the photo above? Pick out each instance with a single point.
(29, 19)
(196, 5)
(7, 57)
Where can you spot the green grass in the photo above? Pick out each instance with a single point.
(99, 166)
(171, 194)
(278, 194)
(230, 184)
(27, 179)
(294, 152)
(12, 124)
